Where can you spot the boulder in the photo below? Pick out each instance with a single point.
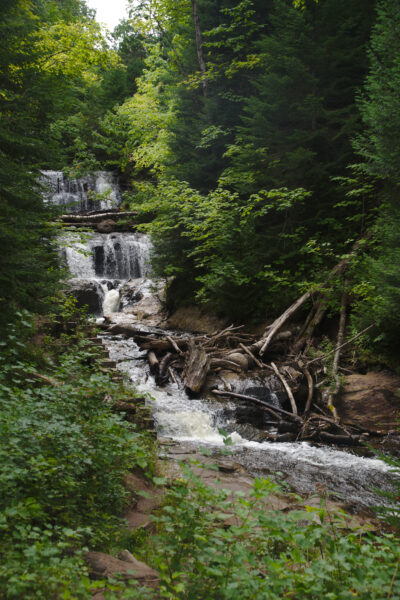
(370, 401)
(102, 566)
(239, 359)
(191, 318)
(87, 293)
(106, 226)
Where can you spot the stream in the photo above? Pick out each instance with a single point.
(113, 272)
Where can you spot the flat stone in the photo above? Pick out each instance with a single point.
(102, 566)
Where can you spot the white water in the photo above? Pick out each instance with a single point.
(110, 302)
(106, 256)
(107, 261)
(303, 466)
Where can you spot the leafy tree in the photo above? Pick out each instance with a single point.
(378, 279)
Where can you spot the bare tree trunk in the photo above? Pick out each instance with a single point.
(199, 46)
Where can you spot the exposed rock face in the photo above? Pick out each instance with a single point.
(106, 226)
(191, 318)
(87, 293)
(102, 566)
(370, 401)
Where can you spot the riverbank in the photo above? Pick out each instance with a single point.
(80, 486)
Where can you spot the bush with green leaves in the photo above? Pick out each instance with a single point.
(229, 252)
(214, 545)
(64, 454)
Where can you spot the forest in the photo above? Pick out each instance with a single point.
(257, 143)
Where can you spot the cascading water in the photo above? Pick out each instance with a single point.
(99, 191)
(199, 422)
(105, 262)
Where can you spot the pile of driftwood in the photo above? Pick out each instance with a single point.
(189, 361)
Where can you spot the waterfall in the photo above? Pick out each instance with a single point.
(107, 255)
(99, 191)
(101, 264)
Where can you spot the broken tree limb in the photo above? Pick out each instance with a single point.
(271, 408)
(172, 375)
(270, 332)
(342, 324)
(249, 352)
(277, 324)
(223, 363)
(287, 388)
(342, 346)
(174, 345)
(310, 382)
(154, 364)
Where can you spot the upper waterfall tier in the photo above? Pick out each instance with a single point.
(107, 256)
(99, 191)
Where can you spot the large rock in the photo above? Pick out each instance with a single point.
(87, 293)
(102, 566)
(370, 401)
(106, 226)
(191, 318)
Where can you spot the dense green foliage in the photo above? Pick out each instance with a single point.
(48, 50)
(310, 553)
(379, 149)
(242, 163)
(64, 455)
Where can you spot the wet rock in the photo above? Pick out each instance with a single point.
(229, 466)
(87, 293)
(106, 226)
(240, 359)
(143, 300)
(370, 401)
(102, 566)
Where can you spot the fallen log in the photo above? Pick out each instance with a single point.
(263, 344)
(97, 216)
(164, 345)
(196, 370)
(333, 438)
(163, 369)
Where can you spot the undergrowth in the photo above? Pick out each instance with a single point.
(214, 545)
(63, 456)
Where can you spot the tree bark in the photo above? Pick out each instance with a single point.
(196, 370)
(199, 46)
